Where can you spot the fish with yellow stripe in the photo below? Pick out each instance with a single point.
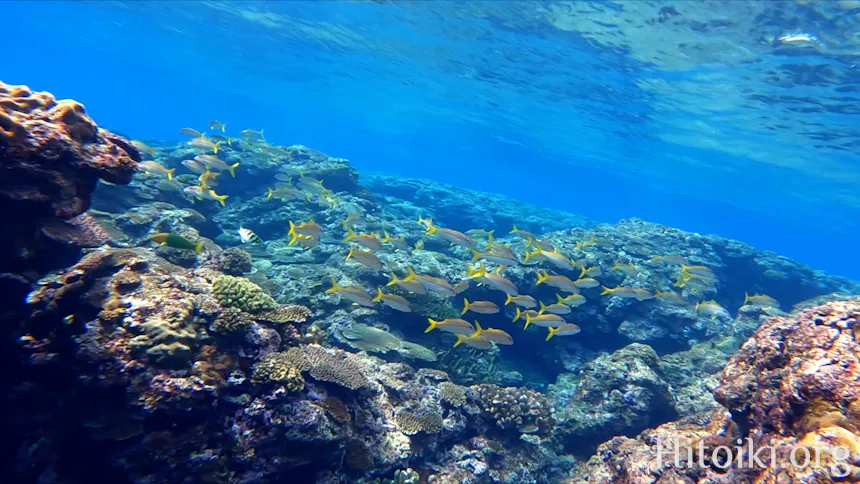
(559, 282)
(494, 281)
(352, 293)
(394, 301)
(450, 235)
(368, 241)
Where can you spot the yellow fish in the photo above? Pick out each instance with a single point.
(628, 269)
(479, 342)
(671, 296)
(216, 125)
(154, 167)
(202, 194)
(455, 325)
(572, 300)
(452, 236)
(559, 282)
(307, 242)
(306, 228)
(494, 281)
(592, 272)
(627, 292)
(544, 320)
(284, 193)
(762, 300)
(191, 132)
(495, 335)
(366, 258)
(670, 259)
(524, 314)
(368, 241)
(355, 294)
(563, 330)
(412, 285)
(480, 307)
(528, 236)
(556, 308)
(524, 301)
(397, 242)
(140, 145)
(393, 301)
(433, 284)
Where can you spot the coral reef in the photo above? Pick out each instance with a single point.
(232, 320)
(52, 156)
(412, 423)
(524, 410)
(279, 368)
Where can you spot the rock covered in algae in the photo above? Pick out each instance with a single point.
(52, 156)
(241, 293)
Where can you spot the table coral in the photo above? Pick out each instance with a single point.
(52, 155)
(241, 293)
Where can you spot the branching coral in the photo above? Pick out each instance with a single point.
(241, 293)
(516, 408)
(412, 423)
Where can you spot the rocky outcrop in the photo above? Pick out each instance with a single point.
(51, 155)
(790, 390)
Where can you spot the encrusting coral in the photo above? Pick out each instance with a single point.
(232, 320)
(453, 393)
(411, 423)
(281, 369)
(241, 293)
(285, 313)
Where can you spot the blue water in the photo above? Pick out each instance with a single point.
(698, 119)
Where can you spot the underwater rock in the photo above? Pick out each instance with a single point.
(618, 394)
(791, 386)
(461, 209)
(52, 155)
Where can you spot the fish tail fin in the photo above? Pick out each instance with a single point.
(528, 321)
(431, 229)
(552, 332)
(349, 234)
(460, 339)
(605, 291)
(198, 247)
(223, 127)
(334, 287)
(170, 173)
(221, 199)
(394, 280)
(432, 325)
(542, 308)
(517, 316)
(582, 272)
(232, 169)
(351, 251)
(490, 238)
(378, 295)
(294, 239)
(475, 255)
(746, 297)
(501, 269)
(411, 276)
(292, 226)
(515, 229)
(527, 257)
(465, 306)
(559, 299)
(509, 300)
(479, 330)
(470, 272)
(269, 193)
(215, 147)
(261, 135)
(385, 236)
(542, 277)
(697, 307)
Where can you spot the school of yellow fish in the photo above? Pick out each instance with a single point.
(208, 167)
(695, 278)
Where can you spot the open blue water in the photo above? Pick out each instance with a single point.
(734, 118)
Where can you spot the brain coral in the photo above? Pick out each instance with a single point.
(241, 293)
